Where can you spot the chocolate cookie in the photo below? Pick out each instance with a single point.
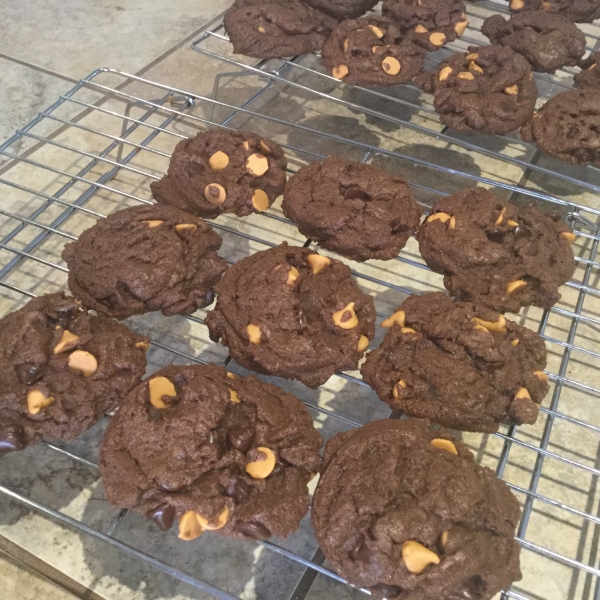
(579, 11)
(220, 171)
(353, 209)
(145, 258)
(215, 451)
(276, 28)
(343, 9)
(567, 126)
(490, 89)
(407, 513)
(293, 313)
(589, 76)
(548, 41)
(459, 364)
(371, 51)
(61, 369)
(430, 23)
(495, 254)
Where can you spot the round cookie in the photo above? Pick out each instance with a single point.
(220, 171)
(458, 364)
(492, 253)
(589, 76)
(343, 9)
(276, 28)
(215, 451)
(61, 370)
(407, 513)
(566, 127)
(490, 89)
(371, 51)
(579, 11)
(145, 258)
(430, 23)
(356, 210)
(293, 313)
(548, 41)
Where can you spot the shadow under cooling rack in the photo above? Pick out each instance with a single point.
(97, 149)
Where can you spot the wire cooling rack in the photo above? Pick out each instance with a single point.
(99, 146)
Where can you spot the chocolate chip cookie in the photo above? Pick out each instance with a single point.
(430, 23)
(490, 89)
(548, 41)
(495, 254)
(579, 11)
(276, 28)
(353, 209)
(216, 451)
(407, 513)
(220, 171)
(145, 258)
(293, 313)
(343, 9)
(61, 369)
(567, 126)
(371, 51)
(459, 364)
(589, 76)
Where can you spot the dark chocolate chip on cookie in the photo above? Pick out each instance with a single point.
(61, 369)
(490, 89)
(353, 209)
(293, 313)
(343, 9)
(371, 51)
(458, 364)
(495, 254)
(215, 451)
(578, 11)
(276, 28)
(407, 513)
(567, 127)
(220, 171)
(548, 41)
(589, 76)
(430, 23)
(145, 258)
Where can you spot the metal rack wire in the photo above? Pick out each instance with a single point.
(97, 148)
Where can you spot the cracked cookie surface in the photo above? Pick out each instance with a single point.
(578, 11)
(458, 364)
(214, 451)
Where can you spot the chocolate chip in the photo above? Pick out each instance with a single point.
(12, 437)
(28, 373)
(163, 516)
(361, 551)
(241, 436)
(257, 531)
(239, 490)
(388, 591)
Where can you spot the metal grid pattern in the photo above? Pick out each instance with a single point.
(112, 135)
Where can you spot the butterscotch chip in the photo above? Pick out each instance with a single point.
(257, 165)
(36, 401)
(37, 342)
(391, 66)
(144, 346)
(386, 498)
(512, 90)
(363, 343)
(83, 361)
(482, 258)
(159, 387)
(460, 27)
(67, 342)
(444, 73)
(454, 343)
(466, 75)
(166, 464)
(517, 5)
(153, 224)
(215, 194)
(377, 31)
(475, 67)
(438, 216)
(261, 29)
(310, 330)
(340, 71)
(444, 444)
(420, 29)
(570, 237)
(398, 318)
(193, 186)
(293, 275)
(185, 228)
(260, 200)
(219, 160)
(254, 334)
(437, 38)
